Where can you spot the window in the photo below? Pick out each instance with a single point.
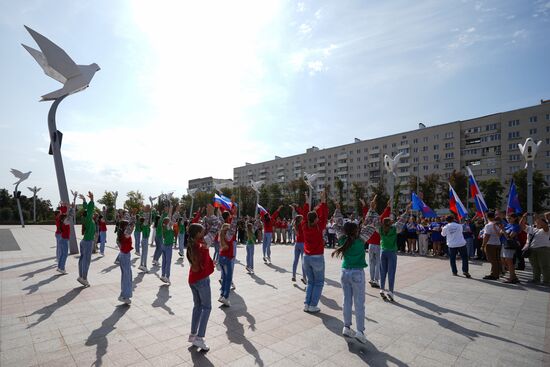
(548, 153)
(514, 157)
(415, 159)
(513, 123)
(415, 150)
(358, 151)
(424, 149)
(473, 130)
(449, 155)
(513, 135)
(514, 169)
(436, 146)
(547, 116)
(533, 119)
(436, 157)
(473, 141)
(393, 145)
(425, 139)
(532, 131)
(425, 168)
(425, 158)
(448, 145)
(436, 136)
(491, 171)
(512, 146)
(490, 127)
(358, 159)
(385, 146)
(415, 169)
(404, 142)
(415, 140)
(449, 165)
(436, 166)
(449, 135)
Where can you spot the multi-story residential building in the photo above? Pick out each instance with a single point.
(487, 144)
(208, 184)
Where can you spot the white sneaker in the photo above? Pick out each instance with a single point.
(269, 260)
(383, 295)
(85, 283)
(306, 308)
(61, 271)
(313, 309)
(155, 262)
(102, 254)
(81, 281)
(137, 253)
(200, 343)
(163, 278)
(192, 338)
(265, 260)
(233, 286)
(390, 296)
(361, 337)
(348, 332)
(125, 300)
(117, 262)
(167, 280)
(226, 302)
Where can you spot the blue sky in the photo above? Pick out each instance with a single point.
(191, 89)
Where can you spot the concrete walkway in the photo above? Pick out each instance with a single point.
(438, 319)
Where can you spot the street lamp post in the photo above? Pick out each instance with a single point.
(34, 191)
(58, 65)
(529, 151)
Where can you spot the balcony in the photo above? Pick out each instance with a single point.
(297, 164)
(374, 160)
(403, 174)
(321, 160)
(403, 164)
(374, 151)
(321, 169)
(281, 168)
(342, 164)
(320, 175)
(342, 156)
(263, 170)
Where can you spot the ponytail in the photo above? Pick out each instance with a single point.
(350, 231)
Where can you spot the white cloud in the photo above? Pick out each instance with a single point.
(304, 28)
(315, 67)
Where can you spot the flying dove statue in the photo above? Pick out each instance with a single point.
(20, 175)
(391, 164)
(309, 178)
(58, 65)
(34, 189)
(191, 192)
(256, 185)
(529, 149)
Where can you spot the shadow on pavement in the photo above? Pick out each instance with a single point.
(199, 358)
(163, 295)
(260, 281)
(35, 287)
(235, 330)
(31, 274)
(98, 337)
(27, 263)
(46, 311)
(361, 350)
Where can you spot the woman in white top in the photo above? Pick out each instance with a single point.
(538, 240)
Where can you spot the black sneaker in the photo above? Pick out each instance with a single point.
(467, 275)
(490, 277)
(293, 279)
(455, 274)
(374, 285)
(304, 281)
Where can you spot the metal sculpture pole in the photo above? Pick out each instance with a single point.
(256, 185)
(391, 166)
(191, 192)
(34, 191)
(529, 151)
(22, 177)
(309, 179)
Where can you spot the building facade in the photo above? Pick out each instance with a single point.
(208, 184)
(487, 144)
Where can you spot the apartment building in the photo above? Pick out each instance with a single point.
(487, 144)
(208, 184)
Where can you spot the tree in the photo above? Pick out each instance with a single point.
(492, 191)
(413, 183)
(381, 196)
(432, 190)
(459, 181)
(108, 199)
(339, 185)
(134, 201)
(358, 192)
(541, 191)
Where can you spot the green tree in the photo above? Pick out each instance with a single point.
(459, 181)
(541, 191)
(134, 201)
(6, 214)
(108, 199)
(358, 192)
(381, 196)
(339, 185)
(432, 191)
(492, 191)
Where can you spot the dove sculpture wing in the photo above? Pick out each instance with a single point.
(17, 173)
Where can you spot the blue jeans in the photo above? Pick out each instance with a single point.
(374, 263)
(85, 258)
(125, 274)
(250, 256)
(216, 256)
(166, 260)
(388, 265)
(227, 275)
(298, 254)
(63, 252)
(57, 249)
(314, 267)
(470, 247)
(353, 285)
(159, 243)
(137, 240)
(266, 245)
(202, 305)
(181, 242)
(463, 255)
(102, 240)
(144, 250)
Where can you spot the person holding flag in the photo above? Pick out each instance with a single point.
(475, 192)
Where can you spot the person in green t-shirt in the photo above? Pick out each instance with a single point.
(250, 242)
(87, 241)
(181, 235)
(145, 224)
(137, 232)
(168, 239)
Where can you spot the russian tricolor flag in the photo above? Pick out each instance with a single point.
(513, 199)
(455, 205)
(475, 192)
(222, 202)
(261, 210)
(420, 205)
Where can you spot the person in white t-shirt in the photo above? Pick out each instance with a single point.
(456, 244)
(539, 244)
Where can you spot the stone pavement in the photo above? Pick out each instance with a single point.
(438, 320)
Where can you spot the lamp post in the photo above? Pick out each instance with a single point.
(34, 191)
(529, 151)
(256, 186)
(75, 78)
(191, 192)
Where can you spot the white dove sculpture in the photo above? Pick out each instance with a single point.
(256, 185)
(191, 192)
(20, 175)
(391, 164)
(529, 149)
(309, 178)
(58, 65)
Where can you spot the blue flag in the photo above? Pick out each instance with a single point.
(513, 199)
(418, 204)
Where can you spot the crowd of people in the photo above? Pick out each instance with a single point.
(504, 240)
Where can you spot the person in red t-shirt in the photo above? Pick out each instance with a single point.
(314, 260)
(102, 234)
(269, 222)
(299, 244)
(124, 237)
(227, 255)
(201, 266)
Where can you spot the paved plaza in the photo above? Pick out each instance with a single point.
(438, 319)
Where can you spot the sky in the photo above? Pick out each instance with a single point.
(191, 89)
